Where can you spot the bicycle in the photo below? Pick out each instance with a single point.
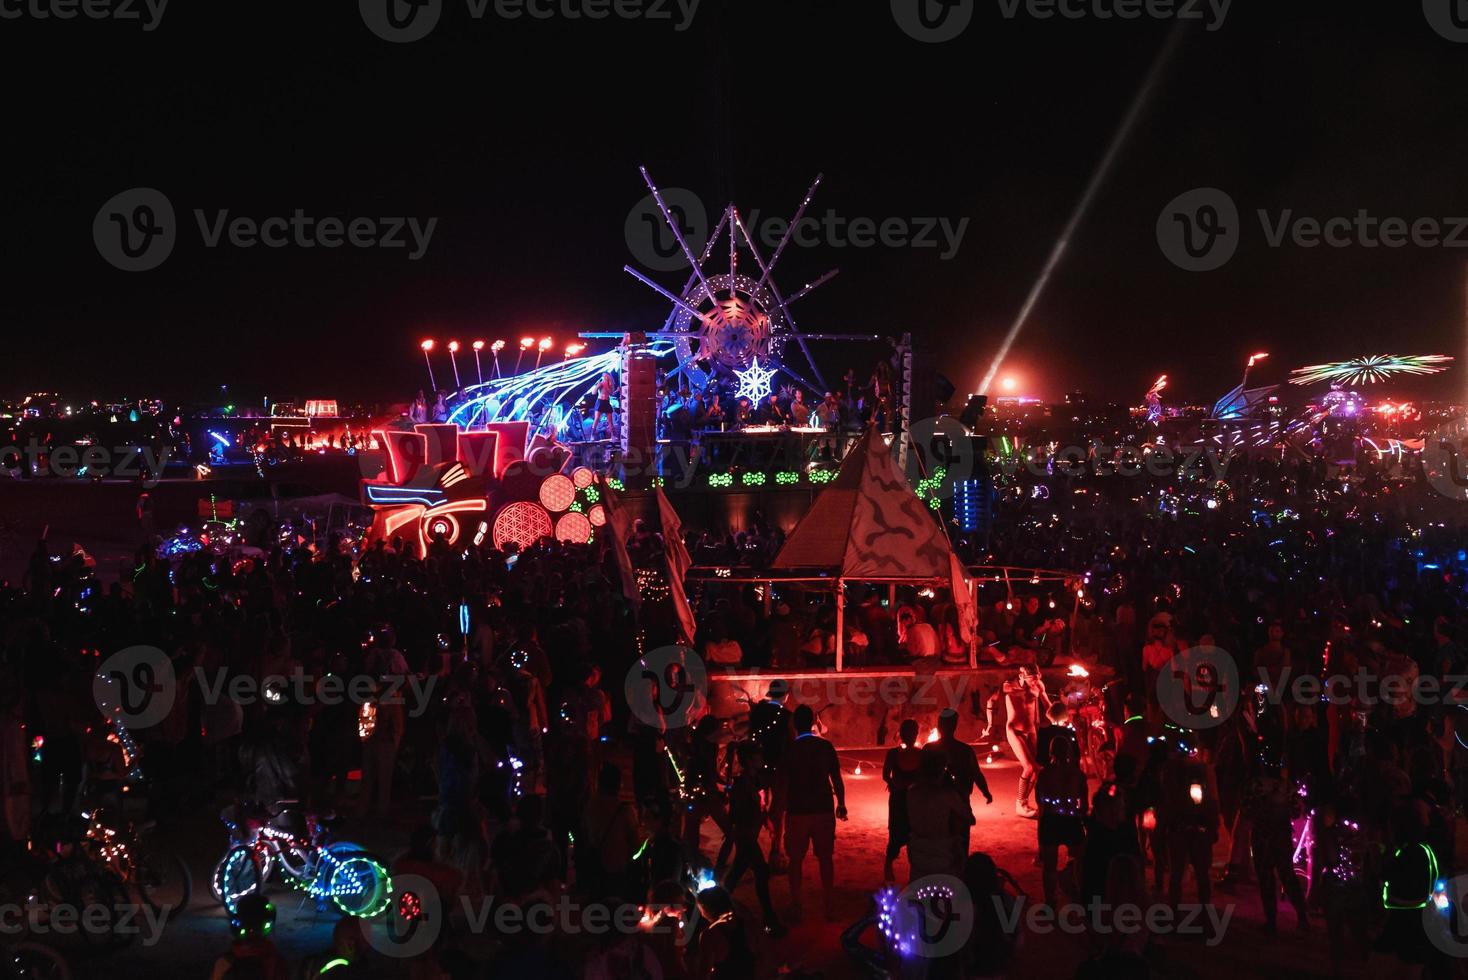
(298, 846)
(160, 877)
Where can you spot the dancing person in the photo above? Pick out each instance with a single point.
(605, 388)
(1061, 791)
(745, 820)
(1024, 699)
(815, 784)
(703, 785)
(899, 771)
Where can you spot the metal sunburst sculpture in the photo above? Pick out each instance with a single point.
(726, 321)
(1371, 369)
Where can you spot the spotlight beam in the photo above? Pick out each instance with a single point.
(1098, 178)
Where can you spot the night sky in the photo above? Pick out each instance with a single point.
(523, 138)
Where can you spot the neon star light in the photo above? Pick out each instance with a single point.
(754, 383)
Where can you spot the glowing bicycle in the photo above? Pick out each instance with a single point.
(297, 846)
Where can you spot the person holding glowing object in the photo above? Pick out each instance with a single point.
(1189, 817)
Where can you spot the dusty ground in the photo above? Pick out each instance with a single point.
(192, 941)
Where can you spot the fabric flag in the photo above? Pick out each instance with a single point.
(678, 563)
(968, 613)
(619, 522)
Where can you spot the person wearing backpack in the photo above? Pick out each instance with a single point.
(252, 955)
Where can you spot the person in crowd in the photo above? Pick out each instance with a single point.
(252, 953)
(960, 767)
(899, 772)
(1061, 792)
(938, 821)
(610, 836)
(772, 731)
(815, 785)
(1024, 699)
(746, 818)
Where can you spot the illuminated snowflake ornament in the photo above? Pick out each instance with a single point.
(754, 383)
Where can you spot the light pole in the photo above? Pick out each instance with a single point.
(525, 344)
(495, 349)
(478, 346)
(573, 350)
(454, 360)
(545, 345)
(427, 346)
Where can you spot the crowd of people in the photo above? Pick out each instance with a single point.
(543, 782)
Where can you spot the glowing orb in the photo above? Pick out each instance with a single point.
(575, 528)
(557, 493)
(1009, 384)
(522, 522)
(582, 477)
(598, 515)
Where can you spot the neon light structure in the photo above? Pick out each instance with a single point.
(754, 383)
(1371, 369)
(546, 393)
(728, 318)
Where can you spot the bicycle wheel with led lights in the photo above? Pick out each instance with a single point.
(359, 885)
(236, 875)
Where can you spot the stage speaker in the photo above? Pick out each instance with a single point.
(639, 419)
